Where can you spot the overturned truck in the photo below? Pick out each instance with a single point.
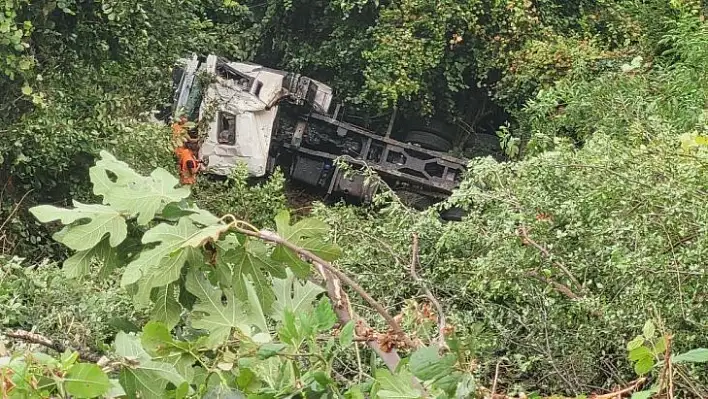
(267, 118)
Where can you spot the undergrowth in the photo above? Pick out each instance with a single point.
(84, 314)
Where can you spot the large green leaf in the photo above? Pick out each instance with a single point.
(79, 264)
(398, 386)
(147, 378)
(427, 365)
(309, 234)
(210, 313)
(293, 295)
(450, 382)
(699, 355)
(305, 228)
(102, 221)
(166, 310)
(647, 394)
(207, 234)
(249, 261)
(133, 193)
(162, 264)
(222, 392)
(157, 340)
(158, 343)
(86, 381)
(465, 387)
(254, 311)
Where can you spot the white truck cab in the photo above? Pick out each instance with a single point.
(241, 104)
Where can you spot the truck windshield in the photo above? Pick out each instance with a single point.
(194, 100)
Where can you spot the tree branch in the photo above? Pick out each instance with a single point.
(340, 302)
(562, 288)
(618, 394)
(14, 210)
(276, 239)
(428, 294)
(57, 346)
(524, 234)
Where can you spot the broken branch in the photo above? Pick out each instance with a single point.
(275, 239)
(34, 338)
(340, 301)
(428, 294)
(618, 394)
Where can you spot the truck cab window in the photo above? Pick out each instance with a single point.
(227, 128)
(194, 100)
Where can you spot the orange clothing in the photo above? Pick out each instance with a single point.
(178, 129)
(188, 165)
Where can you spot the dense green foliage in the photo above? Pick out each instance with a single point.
(627, 224)
(257, 202)
(46, 299)
(246, 324)
(597, 226)
(248, 320)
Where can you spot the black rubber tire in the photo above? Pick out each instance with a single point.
(454, 214)
(437, 127)
(428, 140)
(414, 200)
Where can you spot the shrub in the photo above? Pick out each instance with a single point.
(83, 313)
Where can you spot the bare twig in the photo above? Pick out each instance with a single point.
(57, 346)
(562, 288)
(618, 394)
(14, 210)
(524, 234)
(4, 187)
(681, 241)
(689, 384)
(428, 294)
(274, 238)
(676, 267)
(496, 378)
(666, 377)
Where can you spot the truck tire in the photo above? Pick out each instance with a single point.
(428, 140)
(439, 128)
(454, 214)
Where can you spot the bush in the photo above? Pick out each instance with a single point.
(627, 223)
(635, 101)
(242, 197)
(83, 313)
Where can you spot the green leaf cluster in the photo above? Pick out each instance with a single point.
(35, 374)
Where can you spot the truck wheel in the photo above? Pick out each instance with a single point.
(428, 140)
(414, 200)
(439, 128)
(454, 214)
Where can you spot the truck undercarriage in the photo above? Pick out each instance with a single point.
(268, 118)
